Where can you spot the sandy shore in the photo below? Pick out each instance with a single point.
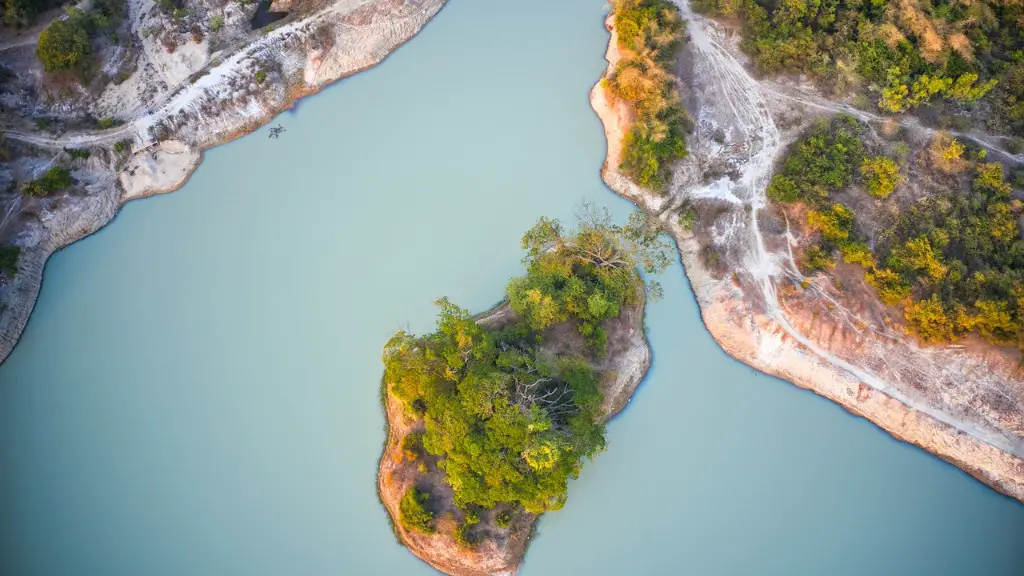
(755, 339)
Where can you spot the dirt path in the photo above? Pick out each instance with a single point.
(737, 102)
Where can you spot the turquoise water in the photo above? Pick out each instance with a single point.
(197, 390)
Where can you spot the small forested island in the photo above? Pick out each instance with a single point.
(490, 416)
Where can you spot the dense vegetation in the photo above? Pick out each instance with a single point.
(953, 261)
(66, 44)
(509, 423)
(650, 34)
(9, 260)
(905, 53)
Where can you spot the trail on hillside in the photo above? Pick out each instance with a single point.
(736, 102)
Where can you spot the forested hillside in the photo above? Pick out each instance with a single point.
(900, 54)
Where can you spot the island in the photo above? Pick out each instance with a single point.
(490, 416)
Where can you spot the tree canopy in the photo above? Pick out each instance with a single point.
(511, 423)
(650, 34)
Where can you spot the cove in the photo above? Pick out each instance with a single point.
(197, 391)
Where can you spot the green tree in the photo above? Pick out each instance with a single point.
(64, 45)
(413, 512)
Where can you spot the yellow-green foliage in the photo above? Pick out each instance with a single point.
(904, 54)
(959, 250)
(835, 224)
(917, 256)
(881, 175)
(820, 164)
(413, 513)
(890, 285)
(929, 320)
(650, 32)
(857, 253)
(64, 45)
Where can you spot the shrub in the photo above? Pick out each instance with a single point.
(857, 253)
(64, 45)
(890, 285)
(216, 23)
(122, 146)
(820, 164)
(816, 258)
(108, 122)
(9, 260)
(835, 224)
(929, 320)
(77, 153)
(503, 519)
(260, 76)
(52, 180)
(881, 176)
(412, 445)
(413, 513)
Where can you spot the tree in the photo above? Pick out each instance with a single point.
(64, 46)
(413, 512)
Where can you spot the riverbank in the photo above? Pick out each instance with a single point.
(621, 370)
(217, 105)
(741, 310)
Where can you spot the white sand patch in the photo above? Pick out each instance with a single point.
(157, 170)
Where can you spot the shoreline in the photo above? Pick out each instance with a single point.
(103, 206)
(748, 336)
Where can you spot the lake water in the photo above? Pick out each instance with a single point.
(197, 390)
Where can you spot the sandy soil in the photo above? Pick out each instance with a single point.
(961, 403)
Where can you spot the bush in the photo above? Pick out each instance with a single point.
(857, 253)
(53, 180)
(412, 445)
(9, 260)
(77, 153)
(503, 519)
(216, 23)
(881, 176)
(64, 46)
(820, 164)
(929, 320)
(260, 76)
(413, 513)
(108, 122)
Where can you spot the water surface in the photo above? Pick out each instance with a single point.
(197, 390)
